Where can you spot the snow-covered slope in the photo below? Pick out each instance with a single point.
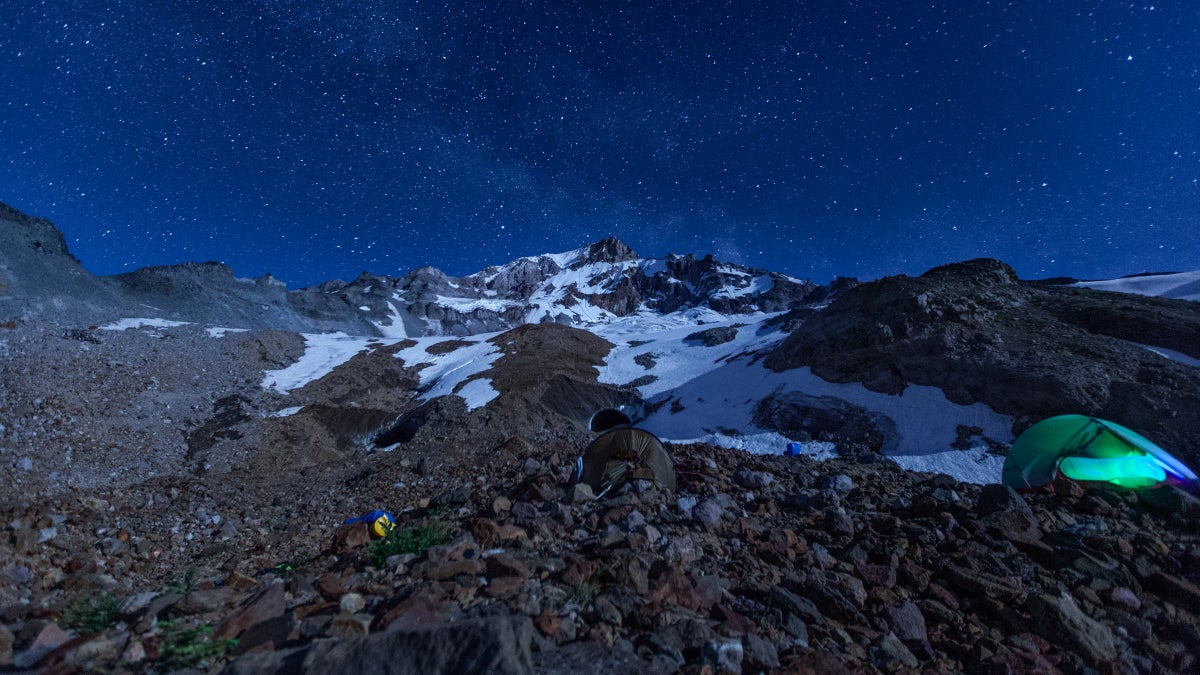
(712, 394)
(703, 389)
(1181, 286)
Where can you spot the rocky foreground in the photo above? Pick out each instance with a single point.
(758, 564)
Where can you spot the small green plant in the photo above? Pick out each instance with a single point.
(189, 647)
(411, 540)
(94, 614)
(183, 584)
(286, 568)
(582, 592)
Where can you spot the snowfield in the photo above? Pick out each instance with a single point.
(1181, 286)
(719, 387)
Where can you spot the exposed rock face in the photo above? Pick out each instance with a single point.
(1032, 351)
(823, 418)
(38, 273)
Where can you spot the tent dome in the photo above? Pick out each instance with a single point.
(608, 418)
(1089, 449)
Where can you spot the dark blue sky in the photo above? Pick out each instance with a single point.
(314, 140)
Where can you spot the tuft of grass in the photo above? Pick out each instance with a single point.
(94, 614)
(582, 592)
(410, 540)
(182, 584)
(189, 647)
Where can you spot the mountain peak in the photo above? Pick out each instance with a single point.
(610, 250)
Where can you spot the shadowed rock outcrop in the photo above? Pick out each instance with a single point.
(977, 332)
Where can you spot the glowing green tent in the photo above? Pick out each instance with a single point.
(1089, 449)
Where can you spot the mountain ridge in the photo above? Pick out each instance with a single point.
(596, 282)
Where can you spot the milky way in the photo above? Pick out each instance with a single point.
(316, 140)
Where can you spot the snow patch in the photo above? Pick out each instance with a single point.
(218, 331)
(760, 284)
(661, 339)
(477, 393)
(768, 443)
(125, 324)
(468, 305)
(975, 465)
(1181, 286)
(322, 353)
(1178, 357)
(394, 329)
(446, 373)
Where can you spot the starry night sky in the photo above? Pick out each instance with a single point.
(318, 139)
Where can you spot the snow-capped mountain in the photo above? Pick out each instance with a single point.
(935, 372)
(592, 286)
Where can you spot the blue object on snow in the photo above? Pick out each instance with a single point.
(793, 449)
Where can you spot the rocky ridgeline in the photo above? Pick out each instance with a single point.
(1032, 351)
(758, 564)
(40, 279)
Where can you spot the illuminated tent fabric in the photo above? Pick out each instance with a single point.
(622, 454)
(1089, 449)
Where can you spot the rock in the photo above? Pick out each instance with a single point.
(892, 654)
(724, 658)
(996, 498)
(581, 493)
(713, 337)
(504, 587)
(138, 602)
(239, 581)
(499, 646)
(548, 624)
(160, 603)
(352, 603)
(135, 652)
(908, 626)
(330, 586)
(1016, 525)
(351, 536)
(315, 626)
(263, 605)
(794, 604)
(349, 626)
(752, 480)
(759, 653)
(1178, 590)
(838, 523)
(877, 575)
(840, 484)
(102, 648)
(48, 637)
(797, 629)
(1125, 599)
(271, 633)
(1061, 621)
(708, 513)
(6, 646)
(505, 565)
